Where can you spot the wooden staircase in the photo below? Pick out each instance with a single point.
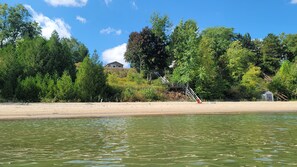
(188, 91)
(279, 96)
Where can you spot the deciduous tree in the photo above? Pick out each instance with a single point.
(15, 23)
(239, 59)
(184, 49)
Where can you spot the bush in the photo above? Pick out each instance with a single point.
(65, 88)
(112, 94)
(252, 84)
(150, 94)
(134, 76)
(48, 88)
(28, 90)
(128, 95)
(112, 78)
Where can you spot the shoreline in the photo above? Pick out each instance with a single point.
(17, 111)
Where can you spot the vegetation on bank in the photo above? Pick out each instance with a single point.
(130, 85)
(217, 62)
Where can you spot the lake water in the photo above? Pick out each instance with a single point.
(193, 140)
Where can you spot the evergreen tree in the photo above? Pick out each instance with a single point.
(58, 58)
(272, 52)
(90, 81)
(65, 88)
(32, 54)
(9, 71)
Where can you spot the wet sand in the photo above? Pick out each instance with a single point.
(12, 111)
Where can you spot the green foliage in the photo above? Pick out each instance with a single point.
(31, 55)
(129, 94)
(48, 87)
(28, 89)
(153, 51)
(239, 59)
(147, 94)
(217, 41)
(150, 94)
(246, 41)
(133, 55)
(207, 73)
(9, 71)
(218, 63)
(285, 80)
(161, 26)
(112, 93)
(15, 24)
(65, 88)
(134, 76)
(90, 81)
(221, 38)
(77, 49)
(112, 78)
(147, 51)
(290, 45)
(272, 51)
(133, 87)
(57, 59)
(184, 40)
(252, 83)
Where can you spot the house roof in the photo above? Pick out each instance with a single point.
(115, 62)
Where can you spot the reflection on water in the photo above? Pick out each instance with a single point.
(200, 140)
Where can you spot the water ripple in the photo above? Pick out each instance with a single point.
(204, 140)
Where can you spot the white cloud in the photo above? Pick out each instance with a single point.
(107, 2)
(81, 19)
(48, 25)
(72, 3)
(133, 3)
(115, 54)
(110, 30)
(293, 1)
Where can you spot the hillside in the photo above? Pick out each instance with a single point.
(128, 85)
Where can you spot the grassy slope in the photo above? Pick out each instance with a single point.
(131, 86)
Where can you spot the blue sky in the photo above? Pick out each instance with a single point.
(105, 25)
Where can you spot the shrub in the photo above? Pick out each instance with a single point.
(134, 76)
(128, 95)
(65, 88)
(28, 90)
(150, 94)
(48, 88)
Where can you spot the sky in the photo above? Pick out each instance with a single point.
(105, 25)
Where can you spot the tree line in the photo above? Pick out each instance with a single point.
(217, 62)
(33, 68)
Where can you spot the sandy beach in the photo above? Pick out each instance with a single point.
(84, 110)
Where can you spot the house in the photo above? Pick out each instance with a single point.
(268, 96)
(114, 64)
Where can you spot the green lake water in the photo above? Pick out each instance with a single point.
(193, 140)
